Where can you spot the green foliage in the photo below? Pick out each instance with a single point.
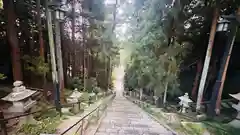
(103, 47)
(85, 97)
(220, 129)
(2, 76)
(193, 129)
(36, 65)
(107, 48)
(92, 85)
(154, 61)
(1, 4)
(47, 126)
(48, 114)
(76, 83)
(102, 32)
(161, 41)
(46, 123)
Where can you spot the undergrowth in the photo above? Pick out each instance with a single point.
(214, 128)
(46, 123)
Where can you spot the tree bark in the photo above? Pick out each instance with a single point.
(114, 16)
(40, 37)
(85, 73)
(66, 62)
(171, 40)
(196, 80)
(59, 59)
(165, 94)
(52, 54)
(207, 59)
(141, 94)
(12, 39)
(166, 87)
(109, 72)
(73, 40)
(158, 102)
(39, 24)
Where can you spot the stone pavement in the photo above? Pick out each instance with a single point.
(125, 118)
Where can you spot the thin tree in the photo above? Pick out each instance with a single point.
(52, 54)
(73, 62)
(12, 39)
(40, 37)
(39, 24)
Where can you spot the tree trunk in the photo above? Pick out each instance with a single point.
(65, 53)
(73, 40)
(45, 92)
(85, 68)
(40, 35)
(109, 73)
(196, 80)
(52, 53)
(29, 49)
(106, 71)
(166, 86)
(12, 39)
(171, 41)
(207, 59)
(59, 59)
(165, 94)
(158, 102)
(114, 16)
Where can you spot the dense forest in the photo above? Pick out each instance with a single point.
(165, 44)
(87, 42)
(163, 49)
(167, 47)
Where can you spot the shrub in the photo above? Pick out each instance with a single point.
(92, 85)
(2, 76)
(47, 125)
(37, 65)
(76, 83)
(84, 97)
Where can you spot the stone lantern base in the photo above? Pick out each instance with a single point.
(26, 120)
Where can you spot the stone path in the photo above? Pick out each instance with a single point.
(125, 118)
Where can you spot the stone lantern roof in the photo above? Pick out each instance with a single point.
(185, 98)
(19, 92)
(236, 96)
(76, 94)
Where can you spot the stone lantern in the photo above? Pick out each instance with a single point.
(131, 93)
(99, 95)
(91, 95)
(21, 101)
(141, 94)
(236, 122)
(74, 99)
(184, 102)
